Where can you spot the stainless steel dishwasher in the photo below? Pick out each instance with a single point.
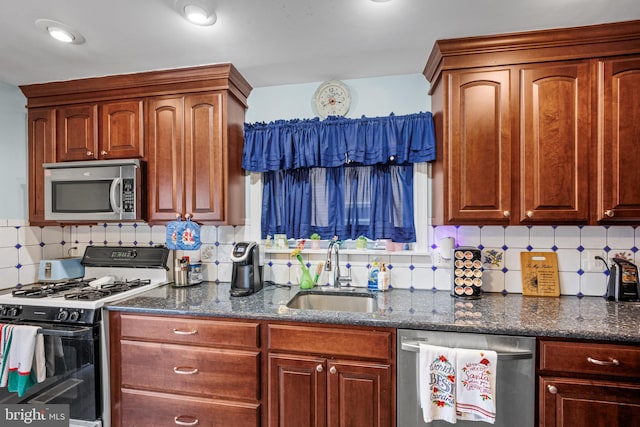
(515, 378)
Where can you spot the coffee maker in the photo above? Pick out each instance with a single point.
(623, 281)
(246, 276)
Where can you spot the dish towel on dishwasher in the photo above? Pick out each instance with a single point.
(476, 385)
(437, 381)
(23, 359)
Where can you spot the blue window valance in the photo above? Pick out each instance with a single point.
(335, 141)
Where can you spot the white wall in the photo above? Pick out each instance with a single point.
(372, 97)
(13, 153)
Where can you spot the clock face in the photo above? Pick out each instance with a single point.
(332, 98)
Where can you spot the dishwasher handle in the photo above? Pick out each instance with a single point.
(414, 347)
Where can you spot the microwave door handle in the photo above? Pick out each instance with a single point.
(117, 208)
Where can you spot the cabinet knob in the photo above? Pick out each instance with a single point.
(609, 213)
(552, 389)
(529, 214)
(89, 153)
(103, 153)
(333, 370)
(610, 362)
(179, 421)
(506, 214)
(319, 368)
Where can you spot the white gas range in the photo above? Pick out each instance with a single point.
(75, 329)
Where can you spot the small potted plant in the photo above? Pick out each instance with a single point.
(361, 242)
(315, 241)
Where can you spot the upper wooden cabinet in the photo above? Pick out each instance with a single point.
(186, 123)
(531, 130)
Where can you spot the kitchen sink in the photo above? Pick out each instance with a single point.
(334, 301)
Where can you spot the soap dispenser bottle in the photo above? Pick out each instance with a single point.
(383, 278)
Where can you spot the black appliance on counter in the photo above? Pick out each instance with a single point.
(246, 276)
(623, 281)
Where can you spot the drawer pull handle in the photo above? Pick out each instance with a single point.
(185, 371)
(611, 362)
(333, 370)
(552, 389)
(182, 332)
(319, 368)
(179, 422)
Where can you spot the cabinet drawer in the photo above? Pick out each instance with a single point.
(191, 331)
(192, 370)
(590, 358)
(150, 409)
(331, 341)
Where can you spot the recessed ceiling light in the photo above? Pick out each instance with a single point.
(60, 31)
(196, 12)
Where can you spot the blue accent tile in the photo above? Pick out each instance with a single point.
(216, 262)
(579, 294)
(270, 264)
(348, 265)
(150, 242)
(412, 310)
(289, 264)
(434, 246)
(135, 243)
(104, 225)
(135, 225)
(18, 266)
(480, 246)
(411, 288)
(63, 243)
(607, 249)
(634, 249)
(389, 266)
(42, 244)
(105, 243)
(91, 242)
(119, 242)
(504, 292)
(119, 225)
(580, 272)
(434, 289)
(529, 248)
(434, 268)
(504, 270)
(411, 267)
(580, 248)
(217, 243)
(554, 248)
(505, 247)
(18, 246)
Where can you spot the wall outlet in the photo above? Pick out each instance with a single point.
(593, 265)
(441, 262)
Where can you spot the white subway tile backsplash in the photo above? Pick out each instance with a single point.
(22, 247)
(567, 237)
(593, 237)
(516, 237)
(542, 239)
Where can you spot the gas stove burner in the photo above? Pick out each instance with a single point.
(41, 290)
(88, 294)
(93, 293)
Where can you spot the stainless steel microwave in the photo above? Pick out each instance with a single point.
(99, 190)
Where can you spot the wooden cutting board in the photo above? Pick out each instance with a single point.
(540, 274)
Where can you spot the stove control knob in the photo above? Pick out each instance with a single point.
(62, 315)
(74, 316)
(13, 312)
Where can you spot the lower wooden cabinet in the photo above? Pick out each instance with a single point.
(175, 370)
(588, 384)
(325, 376)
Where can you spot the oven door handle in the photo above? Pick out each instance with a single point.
(414, 347)
(65, 332)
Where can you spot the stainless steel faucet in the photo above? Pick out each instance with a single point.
(328, 266)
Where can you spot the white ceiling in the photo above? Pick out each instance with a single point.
(271, 42)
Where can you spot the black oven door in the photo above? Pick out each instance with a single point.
(73, 365)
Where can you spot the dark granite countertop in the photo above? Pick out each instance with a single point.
(591, 318)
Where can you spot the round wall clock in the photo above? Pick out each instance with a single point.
(332, 98)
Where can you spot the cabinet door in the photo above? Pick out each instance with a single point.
(165, 148)
(42, 149)
(572, 402)
(619, 140)
(77, 133)
(204, 162)
(121, 130)
(359, 394)
(555, 129)
(297, 391)
(477, 183)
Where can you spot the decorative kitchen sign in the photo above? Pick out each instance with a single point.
(540, 274)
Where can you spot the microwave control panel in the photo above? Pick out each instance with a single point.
(128, 195)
